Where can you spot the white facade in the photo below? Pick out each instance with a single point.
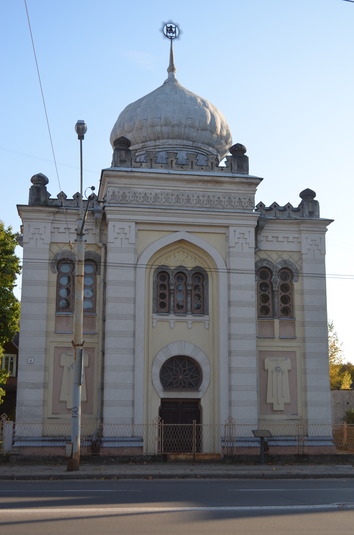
(167, 206)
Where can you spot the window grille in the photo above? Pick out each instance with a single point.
(181, 373)
(286, 298)
(180, 291)
(265, 293)
(90, 286)
(65, 286)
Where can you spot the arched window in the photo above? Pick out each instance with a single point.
(265, 293)
(181, 373)
(197, 293)
(163, 291)
(90, 287)
(65, 301)
(286, 293)
(180, 293)
(65, 286)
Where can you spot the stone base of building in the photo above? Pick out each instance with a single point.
(283, 444)
(57, 446)
(287, 450)
(134, 446)
(194, 457)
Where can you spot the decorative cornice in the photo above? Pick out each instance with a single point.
(173, 198)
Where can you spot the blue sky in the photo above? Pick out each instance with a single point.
(281, 71)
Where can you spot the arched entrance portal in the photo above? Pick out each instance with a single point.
(180, 418)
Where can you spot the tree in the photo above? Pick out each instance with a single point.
(9, 269)
(9, 305)
(3, 379)
(341, 375)
(335, 355)
(349, 367)
(346, 381)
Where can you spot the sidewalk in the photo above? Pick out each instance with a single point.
(58, 471)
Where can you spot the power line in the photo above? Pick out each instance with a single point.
(42, 94)
(210, 270)
(44, 103)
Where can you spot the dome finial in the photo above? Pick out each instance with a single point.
(171, 31)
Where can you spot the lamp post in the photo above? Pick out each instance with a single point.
(81, 129)
(78, 342)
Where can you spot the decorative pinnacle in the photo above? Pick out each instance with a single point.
(171, 31)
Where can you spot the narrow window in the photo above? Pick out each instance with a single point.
(8, 364)
(180, 293)
(65, 286)
(286, 294)
(90, 287)
(163, 290)
(265, 291)
(197, 293)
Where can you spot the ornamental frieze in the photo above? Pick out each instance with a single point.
(177, 198)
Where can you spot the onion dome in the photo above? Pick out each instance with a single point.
(172, 118)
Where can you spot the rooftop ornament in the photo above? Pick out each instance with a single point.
(171, 31)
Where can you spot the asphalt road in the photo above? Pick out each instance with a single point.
(169, 506)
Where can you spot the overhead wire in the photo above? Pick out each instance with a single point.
(109, 264)
(209, 269)
(44, 104)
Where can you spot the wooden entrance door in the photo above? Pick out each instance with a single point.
(181, 426)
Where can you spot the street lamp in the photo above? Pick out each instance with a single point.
(78, 342)
(81, 129)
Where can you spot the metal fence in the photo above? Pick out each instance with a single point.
(3, 419)
(6, 433)
(159, 438)
(343, 437)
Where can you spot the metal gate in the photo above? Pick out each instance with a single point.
(180, 426)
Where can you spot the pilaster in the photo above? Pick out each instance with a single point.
(315, 325)
(34, 308)
(242, 323)
(119, 322)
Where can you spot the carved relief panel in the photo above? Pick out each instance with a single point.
(36, 234)
(121, 234)
(278, 383)
(63, 377)
(242, 239)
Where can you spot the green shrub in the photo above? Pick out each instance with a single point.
(349, 416)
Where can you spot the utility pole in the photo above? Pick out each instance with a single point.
(78, 342)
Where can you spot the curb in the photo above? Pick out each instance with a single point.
(182, 475)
